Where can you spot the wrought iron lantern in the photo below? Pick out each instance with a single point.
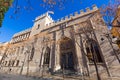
(89, 55)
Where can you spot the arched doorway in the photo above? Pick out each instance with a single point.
(67, 53)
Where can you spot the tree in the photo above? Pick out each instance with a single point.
(109, 12)
(4, 5)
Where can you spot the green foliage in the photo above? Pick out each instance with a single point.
(4, 6)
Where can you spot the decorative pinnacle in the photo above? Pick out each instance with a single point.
(94, 7)
(87, 9)
(81, 11)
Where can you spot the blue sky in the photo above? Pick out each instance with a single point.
(24, 18)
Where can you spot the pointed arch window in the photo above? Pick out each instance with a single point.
(47, 56)
(92, 48)
(32, 53)
(38, 27)
(5, 63)
(13, 63)
(17, 63)
(10, 62)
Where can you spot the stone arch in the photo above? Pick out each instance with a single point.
(67, 53)
(92, 48)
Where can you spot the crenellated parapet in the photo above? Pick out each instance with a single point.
(39, 17)
(75, 15)
(20, 36)
(79, 13)
(22, 32)
(42, 16)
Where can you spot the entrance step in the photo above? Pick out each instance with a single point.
(66, 72)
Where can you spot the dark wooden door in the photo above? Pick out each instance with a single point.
(67, 61)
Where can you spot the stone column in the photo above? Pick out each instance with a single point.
(17, 51)
(78, 55)
(56, 51)
(51, 53)
(42, 49)
(52, 57)
(21, 50)
(57, 58)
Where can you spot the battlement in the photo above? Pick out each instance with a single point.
(75, 14)
(22, 32)
(42, 16)
(39, 17)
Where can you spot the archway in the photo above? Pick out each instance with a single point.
(67, 53)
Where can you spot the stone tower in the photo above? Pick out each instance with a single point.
(41, 23)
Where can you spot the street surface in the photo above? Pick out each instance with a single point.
(19, 77)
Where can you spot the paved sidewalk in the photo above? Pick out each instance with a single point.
(19, 77)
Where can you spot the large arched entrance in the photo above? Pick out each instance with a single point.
(67, 54)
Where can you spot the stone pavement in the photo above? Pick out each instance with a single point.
(53, 77)
(19, 77)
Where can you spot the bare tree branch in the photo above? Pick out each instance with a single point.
(109, 12)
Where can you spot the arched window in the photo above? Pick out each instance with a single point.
(47, 56)
(32, 53)
(17, 64)
(9, 63)
(13, 63)
(5, 63)
(92, 48)
(38, 27)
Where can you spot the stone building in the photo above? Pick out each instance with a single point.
(72, 44)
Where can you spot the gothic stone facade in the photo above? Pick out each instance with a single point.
(72, 43)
